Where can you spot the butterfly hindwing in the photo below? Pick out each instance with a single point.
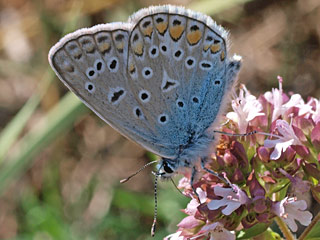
(178, 60)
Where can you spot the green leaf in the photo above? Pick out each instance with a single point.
(253, 231)
(315, 232)
(10, 133)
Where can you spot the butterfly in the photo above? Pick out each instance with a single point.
(162, 79)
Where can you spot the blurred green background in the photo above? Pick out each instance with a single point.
(60, 165)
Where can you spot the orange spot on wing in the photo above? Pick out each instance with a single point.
(215, 48)
(162, 27)
(147, 31)
(194, 37)
(176, 31)
(104, 47)
(206, 47)
(222, 56)
(132, 68)
(120, 46)
(138, 49)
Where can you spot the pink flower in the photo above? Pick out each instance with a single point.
(305, 109)
(316, 113)
(292, 210)
(246, 107)
(184, 183)
(281, 144)
(193, 204)
(216, 231)
(189, 223)
(293, 140)
(175, 236)
(299, 186)
(276, 99)
(230, 199)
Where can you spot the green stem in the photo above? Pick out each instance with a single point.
(11, 132)
(315, 220)
(284, 229)
(53, 124)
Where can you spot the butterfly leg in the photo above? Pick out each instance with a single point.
(226, 180)
(193, 175)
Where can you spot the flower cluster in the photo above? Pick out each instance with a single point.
(270, 171)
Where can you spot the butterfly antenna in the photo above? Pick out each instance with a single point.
(153, 228)
(237, 134)
(245, 134)
(132, 175)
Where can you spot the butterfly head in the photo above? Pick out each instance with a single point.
(167, 168)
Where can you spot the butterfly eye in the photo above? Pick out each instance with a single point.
(217, 82)
(166, 168)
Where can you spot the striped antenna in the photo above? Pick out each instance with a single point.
(132, 175)
(153, 228)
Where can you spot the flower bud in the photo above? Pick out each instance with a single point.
(315, 136)
(256, 190)
(263, 154)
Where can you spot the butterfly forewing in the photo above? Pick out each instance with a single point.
(93, 64)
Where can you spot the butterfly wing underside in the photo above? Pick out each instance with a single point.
(152, 79)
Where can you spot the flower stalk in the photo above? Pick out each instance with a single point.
(314, 221)
(284, 229)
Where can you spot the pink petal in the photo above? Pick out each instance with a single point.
(210, 227)
(286, 144)
(276, 152)
(215, 204)
(223, 192)
(189, 222)
(301, 205)
(222, 235)
(233, 116)
(271, 143)
(292, 224)
(232, 205)
(305, 218)
(284, 128)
